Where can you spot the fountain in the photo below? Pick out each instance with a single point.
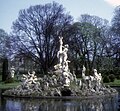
(61, 83)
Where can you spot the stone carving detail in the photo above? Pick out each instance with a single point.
(61, 81)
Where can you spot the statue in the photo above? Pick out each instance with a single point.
(63, 63)
(61, 43)
(98, 79)
(66, 78)
(62, 55)
(97, 76)
(59, 54)
(83, 71)
(65, 50)
(12, 72)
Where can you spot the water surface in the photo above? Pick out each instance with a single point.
(95, 104)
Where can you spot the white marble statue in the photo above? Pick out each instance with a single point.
(60, 52)
(83, 71)
(65, 50)
(62, 55)
(12, 72)
(87, 79)
(83, 74)
(66, 79)
(97, 77)
(63, 67)
(30, 78)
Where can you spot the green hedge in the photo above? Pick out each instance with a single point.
(106, 79)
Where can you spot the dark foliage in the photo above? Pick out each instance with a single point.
(9, 80)
(112, 77)
(5, 69)
(106, 79)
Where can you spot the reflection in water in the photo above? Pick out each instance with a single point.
(13, 105)
(103, 104)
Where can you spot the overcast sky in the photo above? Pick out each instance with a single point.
(9, 9)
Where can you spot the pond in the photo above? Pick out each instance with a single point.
(27, 104)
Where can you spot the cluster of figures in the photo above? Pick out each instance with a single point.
(91, 82)
(65, 73)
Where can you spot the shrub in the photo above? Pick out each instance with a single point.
(9, 80)
(106, 79)
(5, 69)
(112, 77)
(117, 77)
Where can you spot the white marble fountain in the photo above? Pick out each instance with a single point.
(61, 82)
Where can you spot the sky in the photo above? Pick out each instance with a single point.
(9, 9)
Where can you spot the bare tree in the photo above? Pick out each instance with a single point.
(115, 36)
(36, 32)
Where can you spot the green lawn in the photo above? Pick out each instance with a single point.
(8, 85)
(115, 83)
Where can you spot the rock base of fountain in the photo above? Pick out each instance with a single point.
(54, 86)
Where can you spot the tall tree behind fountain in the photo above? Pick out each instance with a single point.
(5, 69)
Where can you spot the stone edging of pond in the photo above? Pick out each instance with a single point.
(62, 97)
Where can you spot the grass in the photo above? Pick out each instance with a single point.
(4, 85)
(115, 83)
(8, 85)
